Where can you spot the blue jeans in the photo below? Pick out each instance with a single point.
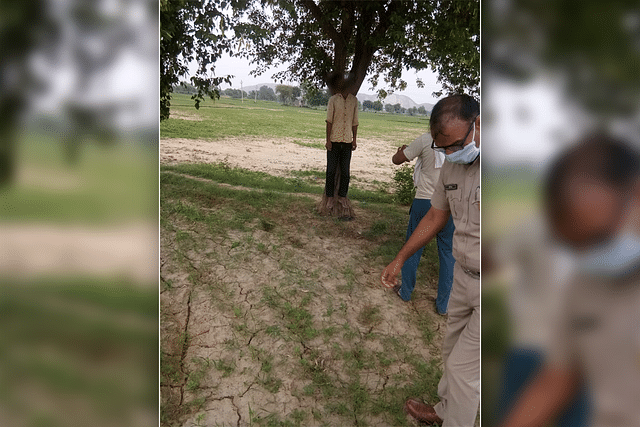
(520, 367)
(340, 155)
(419, 209)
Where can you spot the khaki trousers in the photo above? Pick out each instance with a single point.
(459, 387)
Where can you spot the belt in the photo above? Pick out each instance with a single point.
(474, 274)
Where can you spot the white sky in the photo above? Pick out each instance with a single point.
(526, 121)
(240, 68)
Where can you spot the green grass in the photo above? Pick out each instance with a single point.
(228, 117)
(223, 173)
(82, 341)
(109, 184)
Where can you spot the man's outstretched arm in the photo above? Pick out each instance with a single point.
(543, 399)
(433, 221)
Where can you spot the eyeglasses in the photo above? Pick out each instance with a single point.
(456, 146)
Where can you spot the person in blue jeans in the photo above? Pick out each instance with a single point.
(426, 174)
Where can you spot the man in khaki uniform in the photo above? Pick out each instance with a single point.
(455, 129)
(593, 207)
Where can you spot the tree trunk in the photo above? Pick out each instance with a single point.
(342, 210)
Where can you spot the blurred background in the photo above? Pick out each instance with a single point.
(552, 71)
(79, 117)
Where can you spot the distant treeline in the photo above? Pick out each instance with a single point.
(301, 96)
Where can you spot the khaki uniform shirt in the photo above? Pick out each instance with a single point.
(458, 191)
(599, 334)
(343, 115)
(428, 174)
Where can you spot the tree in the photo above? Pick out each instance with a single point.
(25, 26)
(377, 106)
(266, 94)
(377, 38)
(234, 93)
(422, 110)
(397, 108)
(286, 94)
(367, 105)
(296, 92)
(592, 45)
(192, 30)
(389, 108)
(185, 88)
(312, 95)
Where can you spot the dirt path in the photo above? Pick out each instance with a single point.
(34, 250)
(370, 162)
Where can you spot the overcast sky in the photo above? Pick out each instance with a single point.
(527, 121)
(240, 68)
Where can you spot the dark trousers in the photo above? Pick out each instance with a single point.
(340, 155)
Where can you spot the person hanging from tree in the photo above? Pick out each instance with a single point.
(342, 127)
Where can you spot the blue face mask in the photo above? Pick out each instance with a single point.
(467, 155)
(618, 258)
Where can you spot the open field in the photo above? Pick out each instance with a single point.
(255, 137)
(272, 315)
(79, 303)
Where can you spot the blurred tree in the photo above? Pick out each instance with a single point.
(367, 105)
(593, 45)
(266, 93)
(25, 27)
(377, 38)
(422, 110)
(285, 94)
(235, 93)
(186, 88)
(99, 38)
(192, 30)
(389, 108)
(377, 105)
(296, 92)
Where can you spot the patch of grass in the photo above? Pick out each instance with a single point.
(300, 321)
(377, 229)
(225, 366)
(318, 145)
(109, 184)
(197, 374)
(350, 279)
(370, 315)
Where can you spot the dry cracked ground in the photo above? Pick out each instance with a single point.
(272, 315)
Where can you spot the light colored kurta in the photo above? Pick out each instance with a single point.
(343, 115)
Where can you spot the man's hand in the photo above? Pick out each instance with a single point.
(399, 158)
(389, 276)
(328, 145)
(353, 145)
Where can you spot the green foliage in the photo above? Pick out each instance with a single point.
(288, 94)
(403, 183)
(593, 43)
(191, 31)
(374, 38)
(235, 93)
